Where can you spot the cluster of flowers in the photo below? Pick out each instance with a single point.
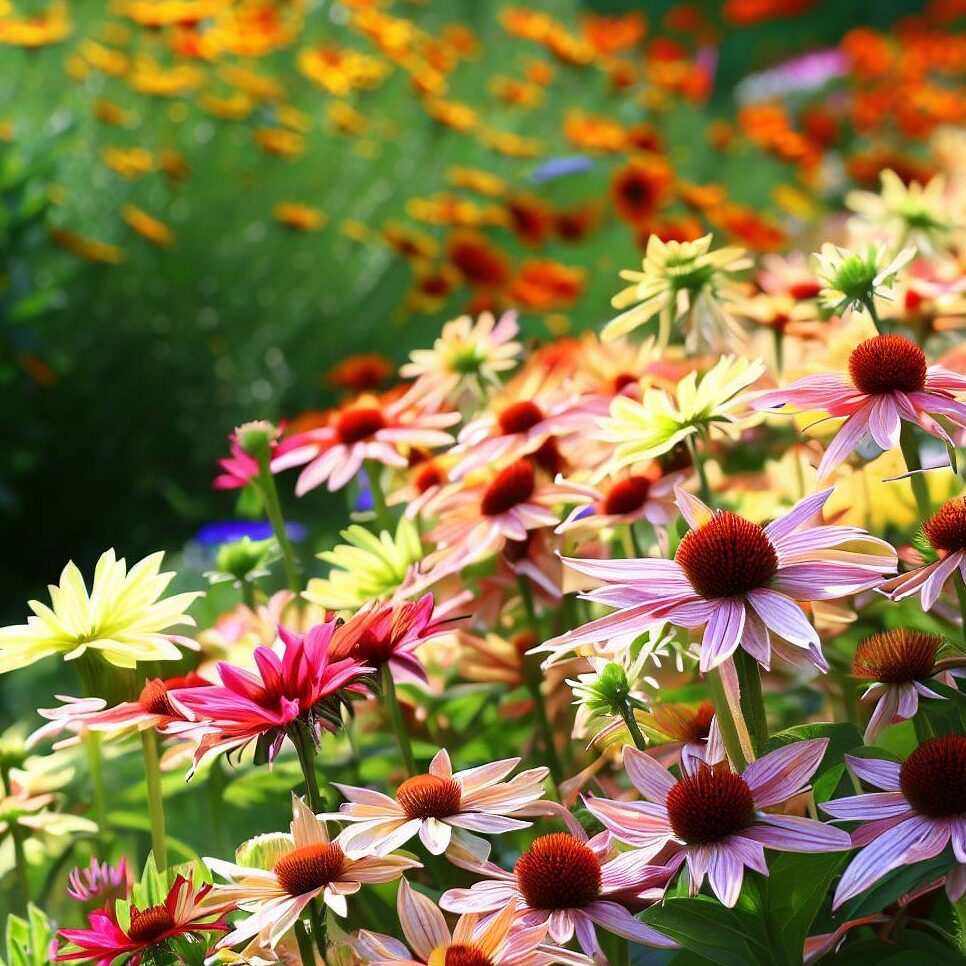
(613, 521)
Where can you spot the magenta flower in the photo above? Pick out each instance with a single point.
(900, 665)
(946, 532)
(295, 680)
(714, 819)
(889, 380)
(183, 912)
(100, 883)
(566, 881)
(740, 581)
(921, 810)
(237, 470)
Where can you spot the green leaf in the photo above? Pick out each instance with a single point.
(730, 937)
(889, 888)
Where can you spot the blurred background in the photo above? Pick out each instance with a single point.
(219, 210)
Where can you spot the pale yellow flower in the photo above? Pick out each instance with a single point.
(124, 617)
(853, 279)
(644, 430)
(683, 281)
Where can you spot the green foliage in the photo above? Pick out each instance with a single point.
(28, 941)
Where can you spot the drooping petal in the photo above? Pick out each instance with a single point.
(780, 774)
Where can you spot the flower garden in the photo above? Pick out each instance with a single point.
(515, 510)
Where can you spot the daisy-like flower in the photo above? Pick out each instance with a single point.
(390, 633)
(641, 431)
(740, 581)
(370, 428)
(920, 810)
(683, 281)
(427, 480)
(366, 567)
(124, 617)
(714, 819)
(441, 807)
(566, 881)
(184, 911)
(310, 865)
(100, 883)
(467, 353)
(295, 680)
(851, 280)
(625, 499)
(913, 214)
(889, 380)
(498, 942)
(155, 707)
(898, 666)
(946, 533)
(480, 518)
(532, 424)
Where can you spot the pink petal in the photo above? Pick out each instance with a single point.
(649, 777)
(794, 833)
(723, 633)
(875, 805)
(780, 774)
(616, 919)
(783, 616)
(876, 771)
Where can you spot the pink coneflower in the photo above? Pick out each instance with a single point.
(565, 880)
(294, 680)
(714, 818)
(313, 866)
(624, 500)
(441, 807)
(899, 666)
(889, 380)
(530, 425)
(921, 809)
(390, 633)
(183, 912)
(946, 532)
(498, 942)
(370, 428)
(426, 483)
(477, 521)
(742, 582)
(155, 707)
(101, 884)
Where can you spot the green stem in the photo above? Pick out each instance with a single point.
(698, 462)
(216, 797)
(960, 586)
(924, 730)
(869, 303)
(152, 772)
(305, 749)
(636, 542)
(273, 510)
(627, 713)
(910, 453)
(306, 952)
(752, 704)
(373, 474)
(532, 676)
(396, 717)
(19, 855)
(738, 754)
(319, 932)
(248, 593)
(779, 349)
(92, 746)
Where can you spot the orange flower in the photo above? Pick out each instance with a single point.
(298, 217)
(156, 232)
(110, 113)
(360, 373)
(149, 78)
(607, 35)
(345, 118)
(594, 132)
(748, 227)
(409, 242)
(173, 165)
(515, 91)
(39, 30)
(460, 117)
(641, 187)
(130, 163)
(432, 285)
(543, 285)
(539, 72)
(473, 179)
(509, 144)
(531, 218)
(340, 70)
(683, 228)
(86, 248)
(259, 86)
(478, 260)
(701, 197)
(276, 140)
(107, 61)
(234, 107)
(575, 224)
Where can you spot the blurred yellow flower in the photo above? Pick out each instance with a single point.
(88, 248)
(298, 217)
(124, 617)
(37, 30)
(128, 162)
(147, 226)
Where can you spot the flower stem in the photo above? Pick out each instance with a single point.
(19, 855)
(248, 593)
(737, 745)
(273, 510)
(869, 303)
(532, 677)
(396, 717)
(383, 520)
(698, 462)
(627, 713)
(152, 773)
(910, 453)
(92, 746)
(960, 586)
(319, 932)
(636, 542)
(752, 704)
(306, 952)
(305, 749)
